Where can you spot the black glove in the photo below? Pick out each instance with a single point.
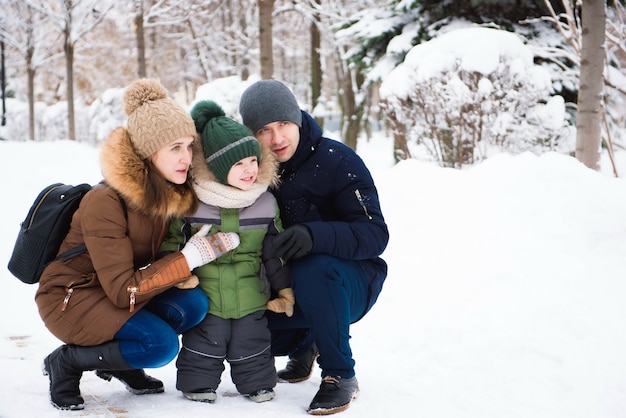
(294, 242)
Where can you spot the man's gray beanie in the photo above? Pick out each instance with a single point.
(268, 101)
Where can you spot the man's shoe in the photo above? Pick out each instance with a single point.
(262, 395)
(207, 395)
(299, 369)
(334, 395)
(135, 380)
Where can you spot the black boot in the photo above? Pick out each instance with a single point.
(65, 366)
(334, 395)
(299, 368)
(135, 380)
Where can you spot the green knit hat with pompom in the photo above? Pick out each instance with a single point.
(224, 140)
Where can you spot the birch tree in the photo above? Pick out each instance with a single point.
(589, 114)
(583, 25)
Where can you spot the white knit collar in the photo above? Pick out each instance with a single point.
(225, 196)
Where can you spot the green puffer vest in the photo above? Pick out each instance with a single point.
(235, 283)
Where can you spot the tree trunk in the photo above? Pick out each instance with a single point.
(244, 67)
(590, 110)
(69, 72)
(141, 40)
(30, 82)
(316, 65)
(350, 118)
(31, 101)
(350, 111)
(4, 86)
(265, 38)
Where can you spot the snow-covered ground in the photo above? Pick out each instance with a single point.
(505, 297)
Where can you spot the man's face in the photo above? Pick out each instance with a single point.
(281, 137)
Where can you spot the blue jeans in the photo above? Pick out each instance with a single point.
(331, 294)
(150, 337)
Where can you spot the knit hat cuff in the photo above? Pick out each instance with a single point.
(230, 146)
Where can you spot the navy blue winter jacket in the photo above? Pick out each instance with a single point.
(327, 187)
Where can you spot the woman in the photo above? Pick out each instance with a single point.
(117, 307)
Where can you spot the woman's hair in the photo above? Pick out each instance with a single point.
(155, 187)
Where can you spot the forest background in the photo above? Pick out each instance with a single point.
(65, 61)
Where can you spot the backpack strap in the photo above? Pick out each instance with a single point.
(76, 251)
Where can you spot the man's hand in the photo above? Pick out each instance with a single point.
(294, 242)
(190, 283)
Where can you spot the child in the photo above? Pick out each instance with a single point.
(231, 182)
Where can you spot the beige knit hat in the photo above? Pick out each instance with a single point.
(154, 120)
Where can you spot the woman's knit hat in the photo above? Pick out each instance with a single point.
(154, 120)
(268, 101)
(224, 141)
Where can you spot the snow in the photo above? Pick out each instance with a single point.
(503, 297)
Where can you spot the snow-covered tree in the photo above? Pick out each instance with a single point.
(606, 111)
(24, 29)
(73, 19)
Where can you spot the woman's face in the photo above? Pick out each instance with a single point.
(174, 159)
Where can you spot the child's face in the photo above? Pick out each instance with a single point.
(243, 173)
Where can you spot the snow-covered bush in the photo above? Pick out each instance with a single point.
(92, 123)
(105, 114)
(16, 125)
(472, 89)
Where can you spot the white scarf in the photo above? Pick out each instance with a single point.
(224, 196)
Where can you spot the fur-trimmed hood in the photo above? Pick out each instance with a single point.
(210, 191)
(125, 172)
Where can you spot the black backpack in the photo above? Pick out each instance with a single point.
(44, 229)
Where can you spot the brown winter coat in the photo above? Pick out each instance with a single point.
(86, 300)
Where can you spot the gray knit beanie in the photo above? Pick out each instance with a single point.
(268, 101)
(154, 120)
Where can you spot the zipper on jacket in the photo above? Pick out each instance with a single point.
(132, 290)
(361, 202)
(67, 298)
(69, 289)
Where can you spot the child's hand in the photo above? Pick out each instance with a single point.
(284, 303)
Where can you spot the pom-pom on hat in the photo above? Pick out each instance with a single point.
(154, 120)
(268, 101)
(224, 140)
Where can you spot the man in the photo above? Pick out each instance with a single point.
(334, 234)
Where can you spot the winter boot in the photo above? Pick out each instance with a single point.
(65, 366)
(208, 396)
(299, 368)
(135, 380)
(262, 395)
(334, 395)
